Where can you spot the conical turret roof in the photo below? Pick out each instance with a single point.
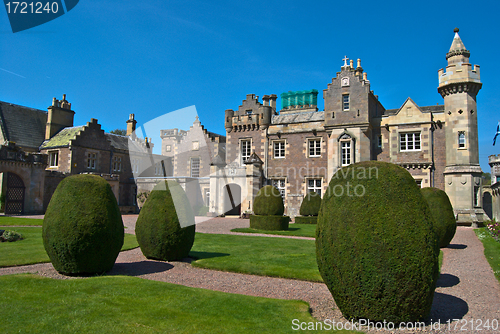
(457, 47)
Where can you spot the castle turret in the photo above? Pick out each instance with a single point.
(459, 85)
(59, 116)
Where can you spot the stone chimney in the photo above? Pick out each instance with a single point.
(59, 116)
(272, 99)
(131, 122)
(265, 100)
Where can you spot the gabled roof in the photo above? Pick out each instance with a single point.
(22, 125)
(62, 138)
(299, 117)
(436, 108)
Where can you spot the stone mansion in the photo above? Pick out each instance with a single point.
(299, 148)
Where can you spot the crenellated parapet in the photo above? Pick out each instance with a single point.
(10, 152)
(251, 114)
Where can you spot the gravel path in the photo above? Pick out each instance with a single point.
(467, 288)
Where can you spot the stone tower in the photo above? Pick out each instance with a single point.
(59, 116)
(459, 85)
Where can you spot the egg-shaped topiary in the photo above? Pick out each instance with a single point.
(376, 247)
(268, 202)
(444, 221)
(310, 204)
(82, 229)
(165, 228)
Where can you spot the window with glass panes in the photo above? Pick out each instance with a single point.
(117, 164)
(91, 160)
(279, 149)
(280, 185)
(461, 140)
(53, 158)
(345, 102)
(195, 167)
(314, 147)
(346, 152)
(245, 149)
(409, 141)
(314, 185)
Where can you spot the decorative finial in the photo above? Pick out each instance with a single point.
(345, 61)
(455, 30)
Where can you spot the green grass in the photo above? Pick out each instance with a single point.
(277, 257)
(491, 249)
(302, 230)
(119, 304)
(9, 221)
(30, 250)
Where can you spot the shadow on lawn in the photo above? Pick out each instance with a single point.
(140, 268)
(205, 255)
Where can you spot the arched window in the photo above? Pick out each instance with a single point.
(346, 149)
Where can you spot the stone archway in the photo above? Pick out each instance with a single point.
(232, 199)
(23, 180)
(14, 194)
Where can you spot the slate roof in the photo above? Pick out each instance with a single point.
(22, 125)
(299, 117)
(62, 138)
(436, 108)
(118, 141)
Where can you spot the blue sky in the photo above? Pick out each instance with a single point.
(113, 58)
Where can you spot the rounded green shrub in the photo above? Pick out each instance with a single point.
(268, 202)
(158, 228)
(82, 229)
(310, 204)
(270, 223)
(375, 244)
(444, 221)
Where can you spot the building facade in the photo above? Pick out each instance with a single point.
(42, 148)
(299, 148)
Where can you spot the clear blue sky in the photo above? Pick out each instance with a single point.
(113, 58)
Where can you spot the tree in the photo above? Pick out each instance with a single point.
(120, 132)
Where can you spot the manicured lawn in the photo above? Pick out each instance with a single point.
(9, 221)
(119, 304)
(302, 230)
(278, 257)
(491, 249)
(31, 250)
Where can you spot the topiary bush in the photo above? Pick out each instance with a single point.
(158, 228)
(309, 209)
(376, 247)
(444, 221)
(268, 210)
(82, 229)
(268, 202)
(310, 204)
